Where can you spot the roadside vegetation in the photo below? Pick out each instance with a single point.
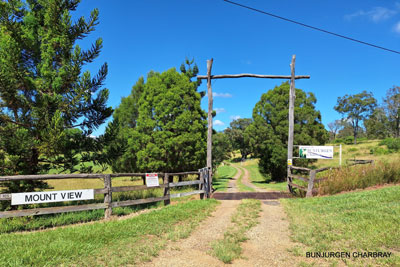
(245, 217)
(360, 177)
(261, 180)
(30, 223)
(351, 222)
(222, 176)
(100, 243)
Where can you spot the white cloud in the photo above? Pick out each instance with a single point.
(219, 110)
(376, 14)
(218, 123)
(223, 95)
(396, 27)
(234, 117)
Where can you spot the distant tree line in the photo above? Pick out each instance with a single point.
(363, 116)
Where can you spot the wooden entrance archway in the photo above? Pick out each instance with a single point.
(292, 97)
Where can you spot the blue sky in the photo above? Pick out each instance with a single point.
(140, 36)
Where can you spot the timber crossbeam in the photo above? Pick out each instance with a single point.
(250, 75)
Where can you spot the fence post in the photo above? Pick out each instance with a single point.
(311, 183)
(201, 185)
(289, 179)
(209, 175)
(108, 196)
(166, 190)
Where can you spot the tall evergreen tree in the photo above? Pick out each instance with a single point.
(166, 131)
(268, 134)
(48, 107)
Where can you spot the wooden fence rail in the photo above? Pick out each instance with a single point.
(311, 174)
(108, 190)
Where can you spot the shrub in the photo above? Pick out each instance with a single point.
(348, 140)
(352, 149)
(393, 144)
(358, 177)
(378, 151)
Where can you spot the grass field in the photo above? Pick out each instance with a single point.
(352, 222)
(119, 242)
(260, 180)
(223, 175)
(360, 151)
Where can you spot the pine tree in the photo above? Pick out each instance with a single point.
(48, 107)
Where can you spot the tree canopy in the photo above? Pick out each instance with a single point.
(392, 107)
(221, 149)
(162, 124)
(48, 107)
(268, 134)
(356, 108)
(236, 135)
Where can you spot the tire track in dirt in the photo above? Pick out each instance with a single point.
(194, 250)
(247, 181)
(269, 241)
(232, 186)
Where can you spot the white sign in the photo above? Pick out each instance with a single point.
(152, 179)
(289, 162)
(316, 152)
(51, 196)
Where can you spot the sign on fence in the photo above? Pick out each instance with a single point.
(51, 196)
(316, 152)
(152, 179)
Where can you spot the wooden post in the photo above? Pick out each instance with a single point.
(292, 97)
(311, 183)
(201, 186)
(166, 190)
(108, 196)
(210, 119)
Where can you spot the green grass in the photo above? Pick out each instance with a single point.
(361, 150)
(112, 243)
(223, 175)
(245, 217)
(242, 187)
(30, 223)
(353, 222)
(260, 180)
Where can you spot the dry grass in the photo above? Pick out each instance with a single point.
(359, 177)
(359, 151)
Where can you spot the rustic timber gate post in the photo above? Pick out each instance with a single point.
(210, 121)
(292, 97)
